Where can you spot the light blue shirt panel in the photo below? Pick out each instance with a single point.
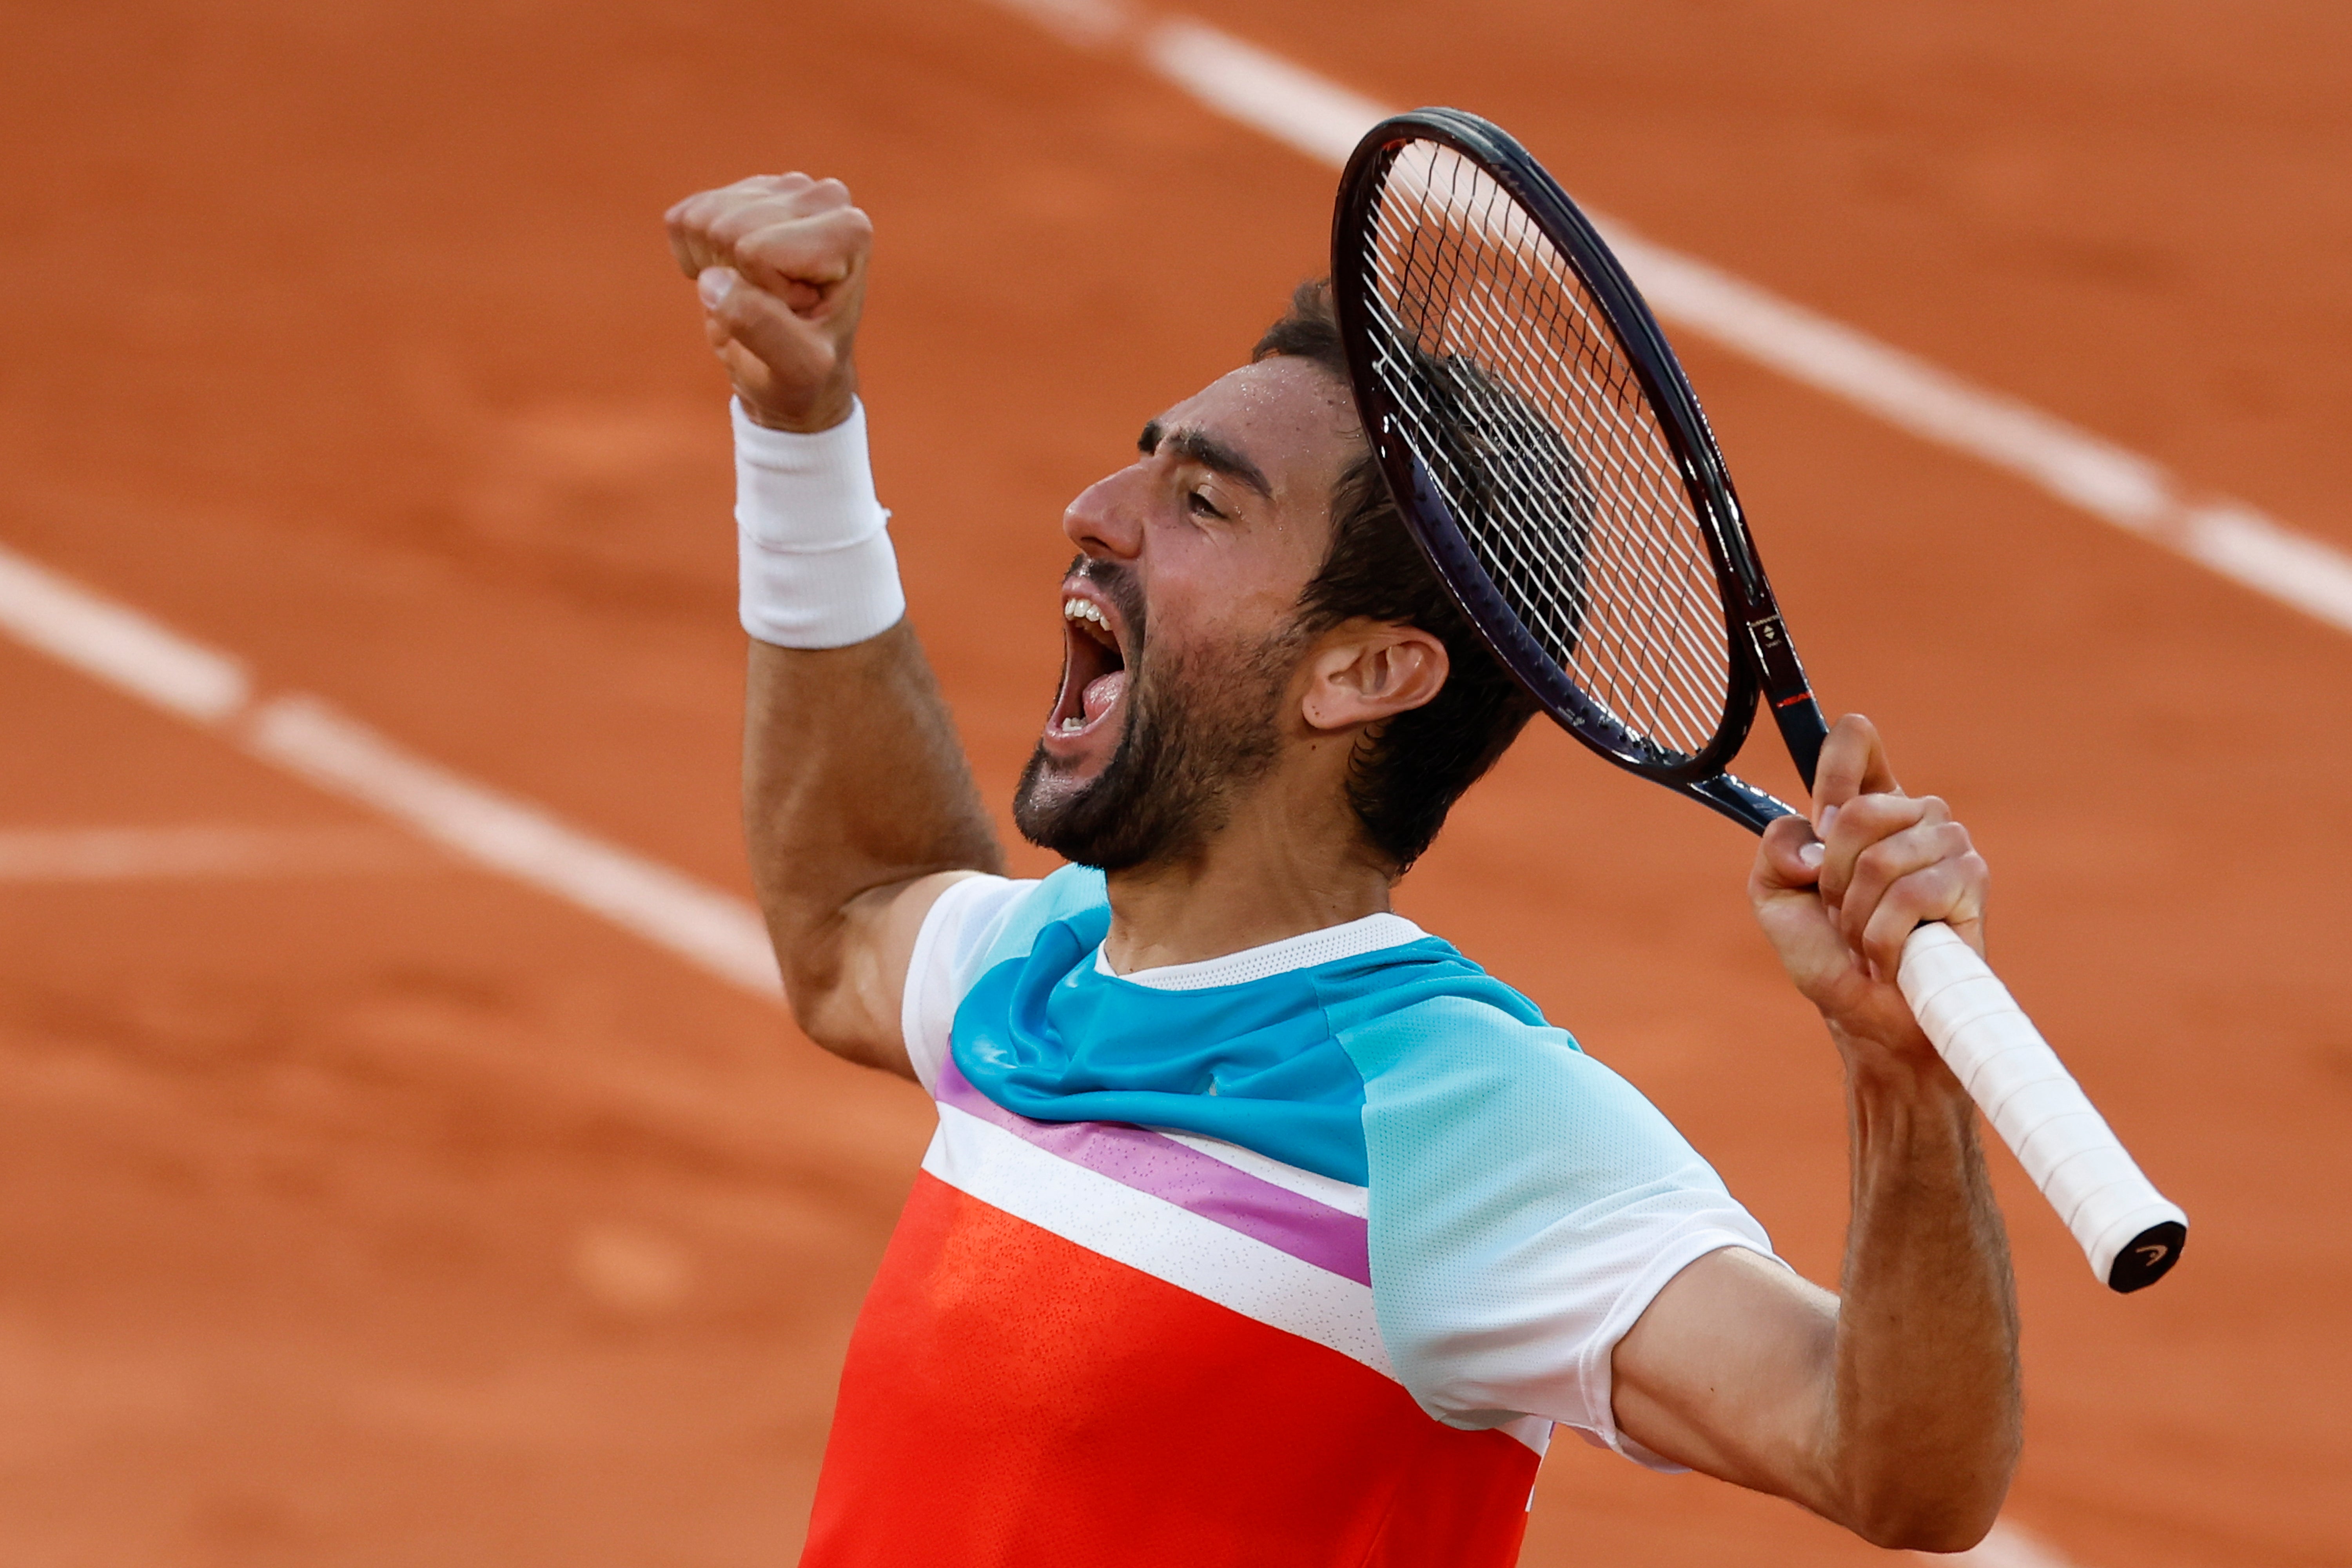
(1526, 1204)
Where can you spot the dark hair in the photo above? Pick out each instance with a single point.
(1408, 772)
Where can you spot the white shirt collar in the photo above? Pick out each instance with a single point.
(1303, 951)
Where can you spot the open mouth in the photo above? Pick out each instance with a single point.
(1094, 666)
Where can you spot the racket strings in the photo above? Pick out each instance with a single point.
(1534, 427)
(1632, 444)
(1627, 645)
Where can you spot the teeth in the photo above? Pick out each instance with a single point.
(1076, 609)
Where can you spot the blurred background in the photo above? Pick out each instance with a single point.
(369, 1198)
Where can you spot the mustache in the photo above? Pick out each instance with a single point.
(1121, 587)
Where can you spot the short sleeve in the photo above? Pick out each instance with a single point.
(1526, 1206)
(961, 926)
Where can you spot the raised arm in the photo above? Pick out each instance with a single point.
(857, 802)
(1893, 1408)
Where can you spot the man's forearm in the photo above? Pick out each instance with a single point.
(853, 782)
(1925, 1428)
(854, 786)
(1895, 1410)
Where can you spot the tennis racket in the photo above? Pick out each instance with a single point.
(1550, 458)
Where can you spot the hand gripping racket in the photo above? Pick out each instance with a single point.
(1550, 458)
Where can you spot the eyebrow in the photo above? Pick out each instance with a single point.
(1200, 447)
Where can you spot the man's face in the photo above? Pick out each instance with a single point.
(1178, 617)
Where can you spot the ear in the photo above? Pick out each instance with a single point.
(1364, 671)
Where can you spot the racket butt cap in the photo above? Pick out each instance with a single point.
(2148, 1258)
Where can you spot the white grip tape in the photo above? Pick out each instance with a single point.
(2027, 1094)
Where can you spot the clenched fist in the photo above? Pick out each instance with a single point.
(780, 262)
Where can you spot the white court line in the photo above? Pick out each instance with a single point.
(116, 646)
(138, 853)
(714, 931)
(1322, 120)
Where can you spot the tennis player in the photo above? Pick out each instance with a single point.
(1262, 1227)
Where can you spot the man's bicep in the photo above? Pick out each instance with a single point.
(881, 928)
(1729, 1371)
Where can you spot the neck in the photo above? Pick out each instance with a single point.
(1284, 863)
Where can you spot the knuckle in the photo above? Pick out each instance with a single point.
(1929, 885)
(1880, 811)
(775, 247)
(745, 226)
(750, 232)
(1902, 909)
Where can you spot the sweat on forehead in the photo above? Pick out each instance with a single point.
(1253, 422)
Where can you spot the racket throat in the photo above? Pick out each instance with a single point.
(1787, 695)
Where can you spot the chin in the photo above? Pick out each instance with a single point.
(1087, 815)
(1050, 786)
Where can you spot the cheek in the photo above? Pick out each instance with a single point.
(1207, 590)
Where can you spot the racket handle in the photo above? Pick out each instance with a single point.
(2131, 1232)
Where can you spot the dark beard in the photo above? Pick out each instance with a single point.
(1197, 733)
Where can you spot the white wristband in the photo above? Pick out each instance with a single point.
(815, 558)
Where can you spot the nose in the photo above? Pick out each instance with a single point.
(1105, 522)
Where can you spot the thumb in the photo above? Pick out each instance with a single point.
(764, 324)
(1788, 858)
(793, 364)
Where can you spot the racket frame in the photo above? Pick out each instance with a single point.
(1763, 661)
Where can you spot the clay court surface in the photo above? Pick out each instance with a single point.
(360, 1207)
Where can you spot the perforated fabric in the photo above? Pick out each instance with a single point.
(1328, 945)
(1017, 1398)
